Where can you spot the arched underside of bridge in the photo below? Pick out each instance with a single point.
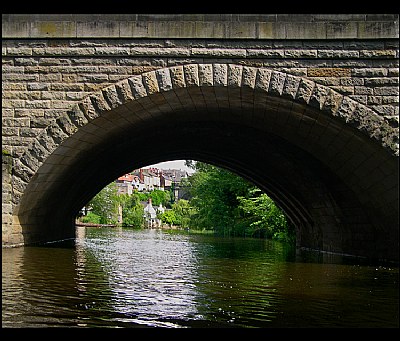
(336, 180)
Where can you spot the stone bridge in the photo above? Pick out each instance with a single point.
(304, 106)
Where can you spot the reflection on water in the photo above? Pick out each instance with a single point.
(150, 278)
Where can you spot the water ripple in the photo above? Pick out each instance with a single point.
(150, 278)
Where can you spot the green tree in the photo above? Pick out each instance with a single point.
(214, 194)
(132, 210)
(105, 204)
(169, 217)
(183, 212)
(231, 205)
(262, 216)
(91, 218)
(157, 196)
(180, 214)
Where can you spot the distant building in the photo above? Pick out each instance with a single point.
(124, 184)
(150, 216)
(149, 177)
(138, 184)
(160, 209)
(171, 178)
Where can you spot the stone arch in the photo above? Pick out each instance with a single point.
(276, 112)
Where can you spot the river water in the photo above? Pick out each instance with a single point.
(152, 278)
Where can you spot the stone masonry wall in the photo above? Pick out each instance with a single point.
(42, 78)
(50, 62)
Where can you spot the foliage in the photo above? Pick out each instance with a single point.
(262, 216)
(180, 214)
(183, 212)
(168, 217)
(157, 196)
(132, 210)
(230, 205)
(105, 204)
(214, 193)
(91, 218)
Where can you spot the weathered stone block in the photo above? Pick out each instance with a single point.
(22, 171)
(220, 72)
(99, 104)
(124, 91)
(346, 109)
(265, 53)
(332, 101)
(249, 76)
(177, 77)
(66, 125)
(206, 75)
(110, 94)
(262, 79)
(137, 87)
(328, 72)
(217, 52)
(305, 90)
(277, 82)
(150, 82)
(318, 96)
(290, 86)
(191, 74)
(76, 116)
(164, 79)
(234, 75)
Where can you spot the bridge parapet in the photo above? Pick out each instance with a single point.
(208, 26)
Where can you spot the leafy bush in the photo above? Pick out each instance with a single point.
(92, 218)
(132, 210)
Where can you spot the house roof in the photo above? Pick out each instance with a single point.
(126, 178)
(174, 174)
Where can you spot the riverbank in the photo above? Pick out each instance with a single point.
(79, 224)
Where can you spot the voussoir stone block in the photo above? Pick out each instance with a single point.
(110, 94)
(43, 146)
(346, 109)
(124, 91)
(177, 77)
(234, 75)
(88, 109)
(137, 87)
(30, 160)
(99, 102)
(361, 116)
(332, 101)
(191, 74)
(56, 133)
(77, 117)
(164, 79)
(22, 171)
(249, 76)
(150, 82)
(263, 79)
(206, 75)
(277, 82)
(66, 125)
(220, 75)
(291, 86)
(305, 90)
(318, 96)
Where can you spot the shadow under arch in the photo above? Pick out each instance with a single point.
(329, 162)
